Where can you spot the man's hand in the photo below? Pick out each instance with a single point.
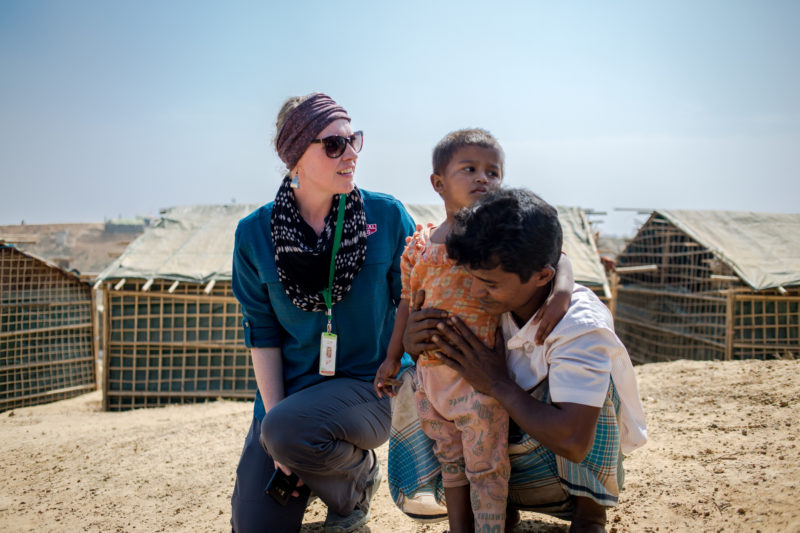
(483, 367)
(567, 429)
(421, 326)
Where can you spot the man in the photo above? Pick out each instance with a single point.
(573, 400)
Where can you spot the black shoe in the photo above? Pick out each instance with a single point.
(336, 523)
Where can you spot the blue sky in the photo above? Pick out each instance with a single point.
(122, 108)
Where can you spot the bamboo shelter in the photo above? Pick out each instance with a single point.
(47, 351)
(711, 285)
(172, 329)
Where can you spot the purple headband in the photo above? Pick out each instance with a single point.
(304, 124)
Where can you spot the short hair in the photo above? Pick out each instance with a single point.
(455, 140)
(512, 228)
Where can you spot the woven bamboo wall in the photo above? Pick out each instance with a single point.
(179, 347)
(46, 333)
(692, 306)
(765, 326)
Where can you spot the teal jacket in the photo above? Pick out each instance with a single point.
(363, 319)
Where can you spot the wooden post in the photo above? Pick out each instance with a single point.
(614, 291)
(106, 337)
(730, 302)
(93, 311)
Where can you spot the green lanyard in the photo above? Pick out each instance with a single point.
(337, 239)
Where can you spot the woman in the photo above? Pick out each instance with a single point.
(316, 417)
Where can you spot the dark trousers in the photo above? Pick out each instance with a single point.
(322, 433)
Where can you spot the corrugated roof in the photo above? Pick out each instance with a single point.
(762, 248)
(195, 244)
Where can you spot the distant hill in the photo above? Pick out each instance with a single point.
(87, 248)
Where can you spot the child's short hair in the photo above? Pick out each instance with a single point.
(456, 140)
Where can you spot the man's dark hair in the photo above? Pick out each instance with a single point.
(456, 140)
(512, 228)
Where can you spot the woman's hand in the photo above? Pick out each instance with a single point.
(483, 367)
(421, 326)
(550, 314)
(295, 493)
(384, 382)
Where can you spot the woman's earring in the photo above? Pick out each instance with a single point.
(295, 183)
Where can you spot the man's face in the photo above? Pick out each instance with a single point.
(500, 291)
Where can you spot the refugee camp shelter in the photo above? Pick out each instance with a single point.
(172, 327)
(711, 285)
(47, 349)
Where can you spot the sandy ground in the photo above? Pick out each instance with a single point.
(722, 456)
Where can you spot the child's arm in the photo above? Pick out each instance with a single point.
(391, 365)
(556, 305)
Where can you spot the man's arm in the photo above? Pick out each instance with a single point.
(566, 429)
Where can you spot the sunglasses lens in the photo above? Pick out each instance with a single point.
(357, 141)
(334, 146)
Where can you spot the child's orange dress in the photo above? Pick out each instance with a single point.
(470, 429)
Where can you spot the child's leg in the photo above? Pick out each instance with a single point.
(459, 510)
(447, 448)
(485, 441)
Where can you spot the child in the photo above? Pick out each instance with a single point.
(469, 428)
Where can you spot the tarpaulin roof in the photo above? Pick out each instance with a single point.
(195, 244)
(581, 248)
(761, 248)
(192, 243)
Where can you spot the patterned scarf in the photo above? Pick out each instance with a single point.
(303, 259)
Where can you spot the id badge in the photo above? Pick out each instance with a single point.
(327, 354)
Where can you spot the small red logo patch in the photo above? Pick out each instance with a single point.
(371, 228)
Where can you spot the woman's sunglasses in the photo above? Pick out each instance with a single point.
(335, 145)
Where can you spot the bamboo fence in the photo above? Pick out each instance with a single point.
(47, 351)
(169, 342)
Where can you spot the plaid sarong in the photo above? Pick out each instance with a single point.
(540, 480)
(414, 474)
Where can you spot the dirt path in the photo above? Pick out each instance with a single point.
(722, 456)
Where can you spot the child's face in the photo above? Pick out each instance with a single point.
(472, 172)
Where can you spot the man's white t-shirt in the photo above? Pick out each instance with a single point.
(579, 356)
